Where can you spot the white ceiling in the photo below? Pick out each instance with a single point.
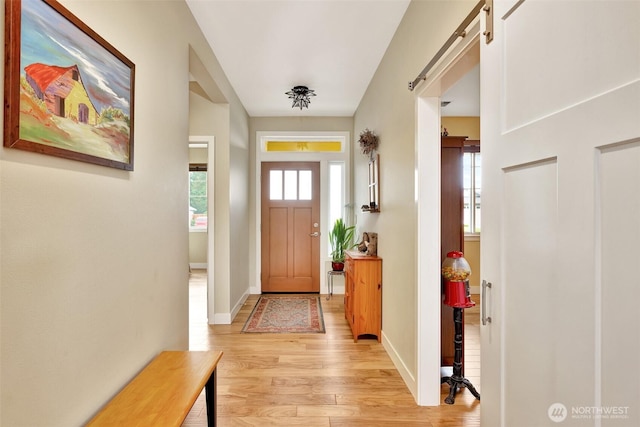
(266, 47)
(464, 96)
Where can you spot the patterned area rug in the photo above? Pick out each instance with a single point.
(292, 314)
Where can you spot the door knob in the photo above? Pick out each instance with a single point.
(316, 234)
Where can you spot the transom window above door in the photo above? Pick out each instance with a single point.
(302, 144)
(290, 185)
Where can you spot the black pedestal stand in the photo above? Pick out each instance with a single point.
(456, 380)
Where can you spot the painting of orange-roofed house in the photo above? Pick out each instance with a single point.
(73, 90)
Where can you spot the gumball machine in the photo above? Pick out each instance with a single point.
(456, 272)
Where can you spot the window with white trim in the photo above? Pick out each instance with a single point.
(336, 194)
(290, 184)
(198, 204)
(472, 166)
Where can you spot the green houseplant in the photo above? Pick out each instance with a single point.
(341, 239)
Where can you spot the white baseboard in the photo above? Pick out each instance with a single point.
(238, 306)
(404, 372)
(227, 318)
(337, 290)
(198, 265)
(221, 319)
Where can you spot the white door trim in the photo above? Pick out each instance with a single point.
(209, 141)
(458, 62)
(324, 159)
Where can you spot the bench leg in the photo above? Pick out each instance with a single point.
(210, 391)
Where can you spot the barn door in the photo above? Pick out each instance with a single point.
(560, 130)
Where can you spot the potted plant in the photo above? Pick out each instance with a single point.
(341, 239)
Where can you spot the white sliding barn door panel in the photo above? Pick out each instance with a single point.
(530, 197)
(560, 131)
(619, 228)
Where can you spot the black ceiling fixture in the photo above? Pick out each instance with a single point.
(301, 96)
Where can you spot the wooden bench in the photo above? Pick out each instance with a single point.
(164, 392)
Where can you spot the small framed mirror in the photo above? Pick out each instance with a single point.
(374, 184)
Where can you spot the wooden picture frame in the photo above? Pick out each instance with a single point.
(67, 91)
(374, 183)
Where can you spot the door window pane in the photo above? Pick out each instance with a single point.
(275, 185)
(305, 185)
(291, 185)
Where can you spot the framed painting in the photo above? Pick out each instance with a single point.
(67, 91)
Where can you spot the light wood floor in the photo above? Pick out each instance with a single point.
(318, 379)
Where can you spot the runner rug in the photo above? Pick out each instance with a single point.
(292, 314)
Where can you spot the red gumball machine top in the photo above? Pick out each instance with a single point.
(456, 272)
(455, 268)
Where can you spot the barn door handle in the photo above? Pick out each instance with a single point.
(483, 307)
(488, 33)
(316, 234)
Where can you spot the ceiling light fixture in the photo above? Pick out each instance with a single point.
(301, 96)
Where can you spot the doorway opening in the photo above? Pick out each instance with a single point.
(440, 85)
(201, 225)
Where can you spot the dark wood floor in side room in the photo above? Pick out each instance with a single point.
(315, 380)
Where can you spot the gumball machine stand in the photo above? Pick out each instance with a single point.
(456, 271)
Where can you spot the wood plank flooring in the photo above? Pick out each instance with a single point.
(318, 380)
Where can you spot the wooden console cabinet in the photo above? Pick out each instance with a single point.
(363, 294)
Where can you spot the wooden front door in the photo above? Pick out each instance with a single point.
(560, 207)
(290, 227)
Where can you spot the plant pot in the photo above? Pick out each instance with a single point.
(337, 266)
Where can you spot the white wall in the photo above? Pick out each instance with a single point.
(388, 108)
(238, 228)
(93, 261)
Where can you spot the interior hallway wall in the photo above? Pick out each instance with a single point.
(94, 260)
(222, 115)
(388, 108)
(462, 126)
(230, 193)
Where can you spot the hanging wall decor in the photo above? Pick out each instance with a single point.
(68, 92)
(368, 142)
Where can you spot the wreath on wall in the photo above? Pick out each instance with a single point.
(368, 142)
